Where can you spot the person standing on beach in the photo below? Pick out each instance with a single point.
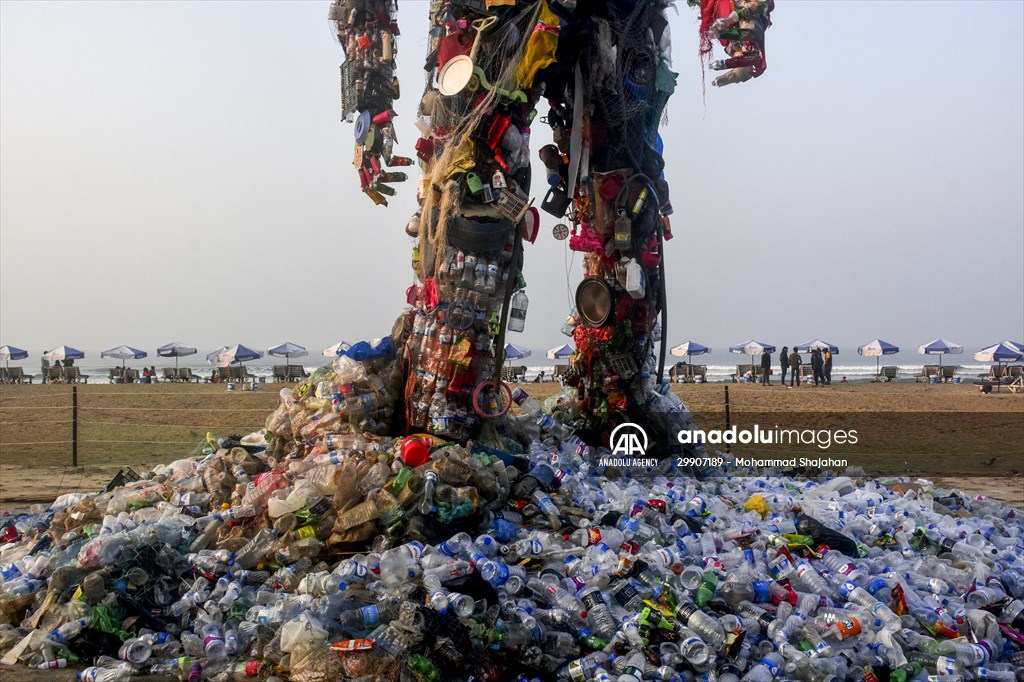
(827, 368)
(766, 366)
(784, 362)
(816, 366)
(794, 366)
(45, 364)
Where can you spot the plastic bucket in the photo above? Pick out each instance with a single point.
(255, 385)
(117, 380)
(933, 380)
(956, 380)
(231, 386)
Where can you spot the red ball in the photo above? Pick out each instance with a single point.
(414, 451)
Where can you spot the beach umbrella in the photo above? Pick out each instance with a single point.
(8, 353)
(819, 344)
(561, 352)
(940, 347)
(175, 350)
(212, 358)
(123, 353)
(288, 350)
(689, 348)
(514, 352)
(336, 350)
(237, 353)
(1015, 344)
(999, 353)
(752, 348)
(64, 353)
(876, 349)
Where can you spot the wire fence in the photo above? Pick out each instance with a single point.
(98, 426)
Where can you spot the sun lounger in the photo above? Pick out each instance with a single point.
(170, 374)
(682, 371)
(947, 372)
(297, 373)
(281, 373)
(887, 374)
(185, 374)
(927, 372)
(55, 375)
(73, 375)
(513, 374)
(130, 375)
(1017, 385)
(16, 375)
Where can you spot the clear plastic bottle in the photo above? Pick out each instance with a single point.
(257, 548)
(517, 311)
(213, 642)
(599, 616)
(707, 627)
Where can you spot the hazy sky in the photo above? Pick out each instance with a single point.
(177, 171)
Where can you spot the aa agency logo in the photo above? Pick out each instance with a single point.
(628, 439)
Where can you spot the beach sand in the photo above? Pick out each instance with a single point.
(949, 434)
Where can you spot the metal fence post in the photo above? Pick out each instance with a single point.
(728, 446)
(74, 426)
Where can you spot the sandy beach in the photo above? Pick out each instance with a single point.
(949, 434)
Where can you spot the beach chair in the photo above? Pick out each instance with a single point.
(5, 376)
(927, 372)
(73, 375)
(281, 373)
(130, 375)
(185, 374)
(947, 373)
(114, 373)
(16, 375)
(558, 372)
(889, 373)
(1017, 385)
(297, 373)
(55, 375)
(169, 374)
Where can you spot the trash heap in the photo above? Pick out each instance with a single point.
(312, 550)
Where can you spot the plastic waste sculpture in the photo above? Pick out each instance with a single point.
(599, 72)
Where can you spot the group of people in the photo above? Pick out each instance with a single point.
(821, 366)
(45, 364)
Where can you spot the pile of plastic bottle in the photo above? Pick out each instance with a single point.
(382, 559)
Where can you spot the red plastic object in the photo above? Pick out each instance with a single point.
(414, 451)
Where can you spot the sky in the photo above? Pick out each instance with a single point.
(178, 171)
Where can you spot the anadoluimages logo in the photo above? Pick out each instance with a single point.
(628, 439)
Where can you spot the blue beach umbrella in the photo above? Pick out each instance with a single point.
(941, 347)
(752, 348)
(689, 348)
(175, 350)
(288, 350)
(123, 353)
(64, 353)
(561, 352)
(876, 349)
(999, 353)
(819, 344)
(8, 353)
(237, 353)
(514, 352)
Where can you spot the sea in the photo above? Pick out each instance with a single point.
(721, 366)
